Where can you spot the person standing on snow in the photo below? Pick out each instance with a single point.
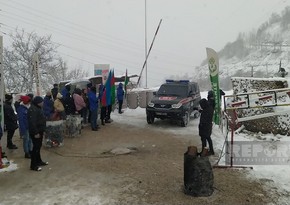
(48, 108)
(205, 125)
(23, 125)
(94, 104)
(120, 97)
(10, 121)
(37, 126)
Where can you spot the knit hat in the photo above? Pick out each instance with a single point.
(37, 100)
(25, 99)
(59, 95)
(8, 97)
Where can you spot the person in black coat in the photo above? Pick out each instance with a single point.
(10, 121)
(205, 125)
(54, 91)
(211, 97)
(37, 126)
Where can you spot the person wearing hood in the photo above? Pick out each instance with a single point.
(48, 108)
(205, 125)
(120, 96)
(37, 126)
(10, 121)
(22, 111)
(58, 107)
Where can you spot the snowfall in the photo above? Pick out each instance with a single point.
(279, 174)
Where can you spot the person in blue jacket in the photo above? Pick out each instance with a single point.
(23, 125)
(93, 104)
(120, 97)
(48, 108)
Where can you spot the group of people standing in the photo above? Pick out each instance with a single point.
(32, 113)
(32, 125)
(87, 103)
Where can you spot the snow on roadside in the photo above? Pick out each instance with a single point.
(277, 175)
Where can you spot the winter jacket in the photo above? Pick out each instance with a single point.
(36, 120)
(120, 92)
(79, 101)
(58, 106)
(23, 119)
(48, 108)
(205, 123)
(10, 118)
(93, 101)
(54, 92)
(64, 93)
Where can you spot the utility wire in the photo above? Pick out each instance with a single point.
(78, 26)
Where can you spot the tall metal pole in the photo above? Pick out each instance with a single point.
(146, 38)
(145, 62)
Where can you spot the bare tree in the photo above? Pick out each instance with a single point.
(76, 73)
(18, 71)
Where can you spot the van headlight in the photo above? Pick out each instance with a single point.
(176, 106)
(150, 104)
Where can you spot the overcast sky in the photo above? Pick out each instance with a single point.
(113, 31)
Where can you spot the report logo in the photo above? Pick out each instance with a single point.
(258, 153)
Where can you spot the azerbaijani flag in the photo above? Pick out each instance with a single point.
(113, 88)
(108, 89)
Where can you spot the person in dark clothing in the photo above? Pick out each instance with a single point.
(67, 100)
(10, 121)
(120, 96)
(85, 110)
(37, 125)
(54, 90)
(102, 97)
(93, 100)
(211, 97)
(205, 125)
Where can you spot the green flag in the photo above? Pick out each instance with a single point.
(213, 65)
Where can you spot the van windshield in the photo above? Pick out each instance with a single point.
(173, 90)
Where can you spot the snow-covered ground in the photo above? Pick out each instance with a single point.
(278, 174)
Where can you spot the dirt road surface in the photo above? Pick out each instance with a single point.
(80, 172)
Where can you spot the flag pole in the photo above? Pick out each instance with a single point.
(145, 62)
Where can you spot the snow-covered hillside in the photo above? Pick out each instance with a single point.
(255, 54)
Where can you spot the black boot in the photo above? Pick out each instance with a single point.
(12, 146)
(27, 156)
